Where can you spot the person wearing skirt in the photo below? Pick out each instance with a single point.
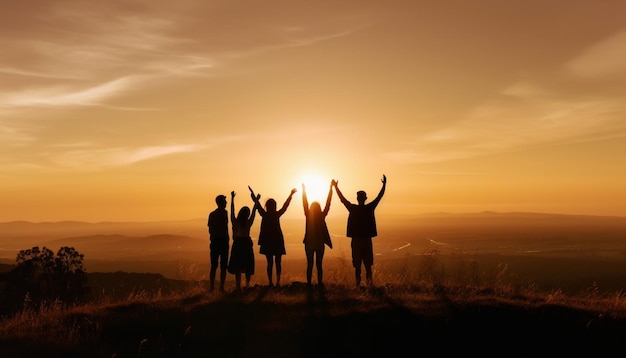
(242, 254)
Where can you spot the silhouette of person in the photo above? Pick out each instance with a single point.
(219, 245)
(316, 235)
(271, 239)
(241, 254)
(361, 229)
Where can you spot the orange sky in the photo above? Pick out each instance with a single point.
(146, 110)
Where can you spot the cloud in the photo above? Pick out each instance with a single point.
(15, 134)
(88, 156)
(64, 96)
(96, 54)
(105, 47)
(306, 41)
(509, 125)
(38, 74)
(92, 58)
(527, 89)
(603, 60)
(88, 159)
(529, 114)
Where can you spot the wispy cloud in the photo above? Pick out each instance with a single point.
(90, 156)
(92, 55)
(87, 156)
(105, 51)
(290, 38)
(309, 40)
(64, 96)
(14, 134)
(520, 123)
(529, 114)
(93, 58)
(88, 159)
(603, 60)
(37, 74)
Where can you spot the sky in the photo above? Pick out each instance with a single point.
(146, 110)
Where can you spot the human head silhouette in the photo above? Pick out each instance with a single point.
(315, 208)
(220, 200)
(243, 214)
(361, 196)
(270, 205)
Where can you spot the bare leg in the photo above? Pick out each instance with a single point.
(270, 268)
(212, 277)
(279, 268)
(222, 278)
(309, 266)
(356, 261)
(357, 274)
(318, 263)
(368, 274)
(238, 280)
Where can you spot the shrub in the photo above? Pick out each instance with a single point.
(41, 276)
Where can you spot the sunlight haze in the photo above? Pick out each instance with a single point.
(142, 111)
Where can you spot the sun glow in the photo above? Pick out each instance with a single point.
(316, 187)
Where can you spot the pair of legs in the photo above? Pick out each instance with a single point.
(368, 274)
(219, 258)
(238, 280)
(317, 256)
(271, 260)
(362, 255)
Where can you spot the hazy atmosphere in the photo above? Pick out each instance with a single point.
(146, 110)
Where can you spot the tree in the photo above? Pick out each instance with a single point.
(42, 276)
(70, 275)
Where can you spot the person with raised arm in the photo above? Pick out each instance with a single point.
(271, 238)
(361, 228)
(242, 253)
(316, 235)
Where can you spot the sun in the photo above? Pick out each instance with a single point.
(316, 187)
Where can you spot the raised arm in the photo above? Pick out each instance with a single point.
(232, 206)
(253, 195)
(286, 204)
(257, 203)
(342, 198)
(329, 197)
(305, 201)
(254, 209)
(382, 191)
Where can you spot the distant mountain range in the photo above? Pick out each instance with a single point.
(521, 218)
(192, 233)
(196, 228)
(72, 228)
(55, 226)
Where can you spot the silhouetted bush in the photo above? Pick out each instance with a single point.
(41, 276)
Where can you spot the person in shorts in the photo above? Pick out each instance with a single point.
(361, 229)
(219, 242)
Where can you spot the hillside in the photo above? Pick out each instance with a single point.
(293, 321)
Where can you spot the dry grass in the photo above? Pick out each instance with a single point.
(416, 308)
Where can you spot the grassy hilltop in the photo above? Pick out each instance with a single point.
(423, 318)
(487, 284)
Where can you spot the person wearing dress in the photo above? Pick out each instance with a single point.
(271, 239)
(316, 235)
(241, 254)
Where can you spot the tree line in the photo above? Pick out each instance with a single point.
(41, 276)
